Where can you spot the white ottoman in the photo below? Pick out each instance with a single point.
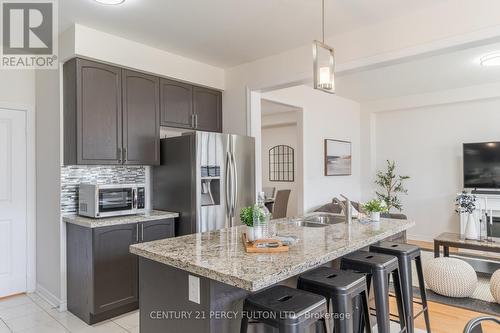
(495, 286)
(450, 277)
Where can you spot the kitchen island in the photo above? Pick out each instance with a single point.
(197, 283)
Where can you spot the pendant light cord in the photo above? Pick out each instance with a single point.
(323, 19)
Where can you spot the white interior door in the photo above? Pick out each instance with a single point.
(13, 202)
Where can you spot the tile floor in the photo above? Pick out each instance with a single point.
(31, 314)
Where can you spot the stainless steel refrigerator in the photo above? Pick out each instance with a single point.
(206, 177)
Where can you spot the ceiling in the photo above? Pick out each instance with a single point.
(451, 70)
(269, 107)
(226, 33)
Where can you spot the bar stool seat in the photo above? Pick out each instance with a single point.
(288, 309)
(379, 267)
(406, 253)
(341, 289)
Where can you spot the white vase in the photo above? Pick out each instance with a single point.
(471, 231)
(250, 234)
(375, 216)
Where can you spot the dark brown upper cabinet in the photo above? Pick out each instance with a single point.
(176, 101)
(141, 118)
(207, 107)
(111, 115)
(92, 113)
(191, 107)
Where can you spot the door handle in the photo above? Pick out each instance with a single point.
(234, 184)
(227, 181)
(134, 198)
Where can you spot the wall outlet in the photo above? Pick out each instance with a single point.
(194, 289)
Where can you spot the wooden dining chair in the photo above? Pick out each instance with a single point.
(281, 204)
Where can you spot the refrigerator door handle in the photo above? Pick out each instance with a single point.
(228, 188)
(234, 185)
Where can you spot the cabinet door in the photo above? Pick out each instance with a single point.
(208, 109)
(99, 113)
(176, 100)
(115, 268)
(141, 118)
(155, 230)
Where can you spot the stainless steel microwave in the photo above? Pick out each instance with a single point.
(111, 200)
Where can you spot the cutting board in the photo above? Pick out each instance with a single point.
(250, 247)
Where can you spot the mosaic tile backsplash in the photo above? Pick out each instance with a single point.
(72, 176)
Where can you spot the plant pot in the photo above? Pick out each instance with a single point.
(250, 234)
(471, 231)
(375, 216)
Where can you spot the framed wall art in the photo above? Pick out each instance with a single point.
(338, 157)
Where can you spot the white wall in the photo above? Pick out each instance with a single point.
(325, 116)
(281, 132)
(50, 249)
(426, 144)
(90, 43)
(17, 87)
(449, 24)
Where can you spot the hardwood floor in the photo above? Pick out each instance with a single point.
(428, 245)
(448, 319)
(445, 318)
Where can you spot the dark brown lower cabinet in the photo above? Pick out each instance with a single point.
(102, 275)
(155, 230)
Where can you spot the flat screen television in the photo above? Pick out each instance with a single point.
(482, 165)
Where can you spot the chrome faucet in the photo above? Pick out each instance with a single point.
(346, 208)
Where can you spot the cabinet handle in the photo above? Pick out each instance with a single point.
(192, 121)
(142, 232)
(125, 155)
(196, 120)
(119, 153)
(137, 233)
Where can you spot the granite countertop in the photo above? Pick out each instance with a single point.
(220, 255)
(109, 221)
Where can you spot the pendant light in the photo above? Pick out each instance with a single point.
(323, 61)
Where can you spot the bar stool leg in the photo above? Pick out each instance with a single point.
(244, 323)
(343, 307)
(423, 292)
(381, 290)
(399, 298)
(366, 312)
(407, 291)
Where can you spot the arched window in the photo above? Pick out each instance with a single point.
(281, 164)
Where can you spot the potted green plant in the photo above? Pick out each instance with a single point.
(246, 217)
(374, 208)
(391, 184)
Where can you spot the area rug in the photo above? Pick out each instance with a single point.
(480, 301)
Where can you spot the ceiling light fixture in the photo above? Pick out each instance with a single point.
(491, 59)
(110, 2)
(323, 61)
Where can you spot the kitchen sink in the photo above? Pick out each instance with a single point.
(325, 219)
(319, 220)
(302, 223)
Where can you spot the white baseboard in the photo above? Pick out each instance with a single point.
(51, 298)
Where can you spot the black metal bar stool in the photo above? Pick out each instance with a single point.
(340, 288)
(405, 254)
(378, 268)
(288, 309)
